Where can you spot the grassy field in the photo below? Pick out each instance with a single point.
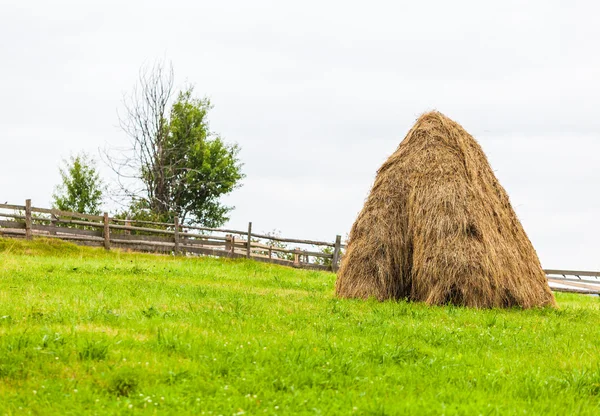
(88, 332)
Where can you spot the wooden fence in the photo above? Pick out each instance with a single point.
(574, 281)
(25, 221)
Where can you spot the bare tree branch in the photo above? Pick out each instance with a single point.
(145, 121)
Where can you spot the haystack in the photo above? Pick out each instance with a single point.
(439, 228)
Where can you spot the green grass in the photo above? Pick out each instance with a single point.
(88, 332)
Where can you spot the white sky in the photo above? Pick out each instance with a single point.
(318, 94)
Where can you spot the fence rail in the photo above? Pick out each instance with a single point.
(574, 281)
(25, 221)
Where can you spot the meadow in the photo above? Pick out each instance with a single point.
(84, 331)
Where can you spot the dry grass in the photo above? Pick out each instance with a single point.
(439, 228)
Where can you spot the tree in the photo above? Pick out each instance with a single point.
(175, 165)
(81, 187)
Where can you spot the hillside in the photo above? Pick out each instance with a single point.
(82, 330)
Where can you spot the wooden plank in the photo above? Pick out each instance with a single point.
(64, 221)
(135, 237)
(261, 246)
(15, 231)
(336, 253)
(78, 222)
(184, 244)
(283, 250)
(176, 235)
(151, 238)
(9, 206)
(60, 213)
(53, 230)
(582, 291)
(249, 241)
(16, 216)
(144, 242)
(296, 257)
(573, 279)
(241, 251)
(129, 221)
(12, 224)
(143, 229)
(203, 236)
(218, 230)
(215, 252)
(572, 273)
(28, 219)
(306, 253)
(198, 243)
(106, 232)
(259, 255)
(574, 284)
(294, 240)
(296, 251)
(53, 219)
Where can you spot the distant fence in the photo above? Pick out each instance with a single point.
(574, 281)
(25, 221)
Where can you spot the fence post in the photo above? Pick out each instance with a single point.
(232, 246)
(28, 219)
(248, 245)
(128, 224)
(106, 232)
(336, 253)
(176, 235)
(270, 251)
(297, 256)
(53, 218)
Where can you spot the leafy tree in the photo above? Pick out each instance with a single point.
(81, 187)
(201, 166)
(182, 166)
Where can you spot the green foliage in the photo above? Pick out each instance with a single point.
(201, 166)
(81, 188)
(89, 332)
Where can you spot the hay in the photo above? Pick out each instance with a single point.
(439, 228)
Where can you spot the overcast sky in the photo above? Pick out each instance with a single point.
(318, 94)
